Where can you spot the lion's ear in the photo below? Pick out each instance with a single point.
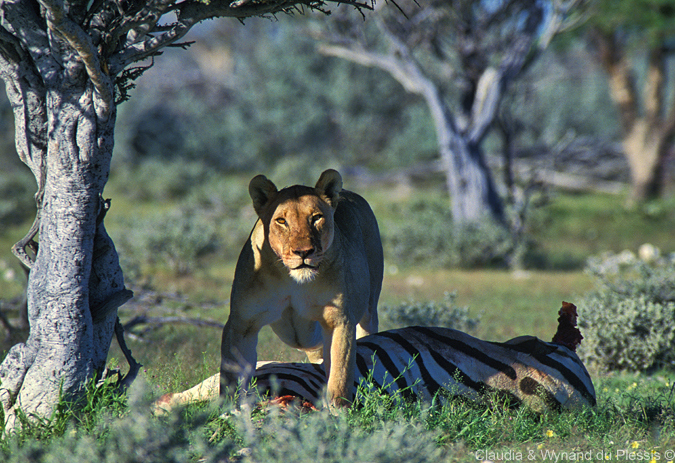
(262, 191)
(329, 186)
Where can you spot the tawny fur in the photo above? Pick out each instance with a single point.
(312, 269)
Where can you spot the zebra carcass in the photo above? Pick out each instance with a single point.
(423, 362)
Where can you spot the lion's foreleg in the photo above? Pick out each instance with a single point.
(368, 324)
(238, 358)
(341, 365)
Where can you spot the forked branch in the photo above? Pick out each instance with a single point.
(81, 42)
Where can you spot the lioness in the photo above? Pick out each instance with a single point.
(312, 269)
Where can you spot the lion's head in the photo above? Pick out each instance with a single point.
(298, 221)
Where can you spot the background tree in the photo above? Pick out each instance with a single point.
(67, 65)
(633, 40)
(460, 56)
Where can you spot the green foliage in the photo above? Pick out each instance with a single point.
(17, 189)
(628, 322)
(175, 240)
(429, 314)
(299, 170)
(632, 410)
(326, 438)
(101, 401)
(180, 215)
(423, 233)
(654, 19)
(278, 98)
(135, 438)
(549, 105)
(161, 180)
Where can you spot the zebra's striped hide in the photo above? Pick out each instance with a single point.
(422, 361)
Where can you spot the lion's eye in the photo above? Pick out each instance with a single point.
(281, 221)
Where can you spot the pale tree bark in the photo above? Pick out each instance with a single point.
(472, 190)
(66, 65)
(486, 67)
(647, 118)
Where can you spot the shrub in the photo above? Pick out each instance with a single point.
(628, 322)
(160, 179)
(429, 314)
(17, 189)
(424, 234)
(176, 240)
(321, 437)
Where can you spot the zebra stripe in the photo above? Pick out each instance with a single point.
(423, 361)
(466, 349)
(567, 363)
(426, 377)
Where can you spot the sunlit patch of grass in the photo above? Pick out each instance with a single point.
(574, 226)
(512, 306)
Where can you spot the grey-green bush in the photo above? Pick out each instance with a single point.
(424, 234)
(175, 240)
(320, 437)
(17, 189)
(160, 180)
(429, 313)
(628, 322)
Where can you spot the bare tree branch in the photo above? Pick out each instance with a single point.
(199, 11)
(485, 104)
(653, 96)
(141, 23)
(405, 73)
(134, 366)
(190, 13)
(561, 20)
(26, 93)
(144, 49)
(146, 320)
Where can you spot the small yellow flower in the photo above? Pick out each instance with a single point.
(652, 460)
(607, 457)
(635, 444)
(604, 389)
(550, 433)
(540, 446)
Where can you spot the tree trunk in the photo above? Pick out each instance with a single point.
(644, 133)
(472, 190)
(75, 284)
(645, 152)
(473, 195)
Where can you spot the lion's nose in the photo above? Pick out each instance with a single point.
(304, 252)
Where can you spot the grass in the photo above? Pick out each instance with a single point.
(635, 412)
(574, 226)
(635, 415)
